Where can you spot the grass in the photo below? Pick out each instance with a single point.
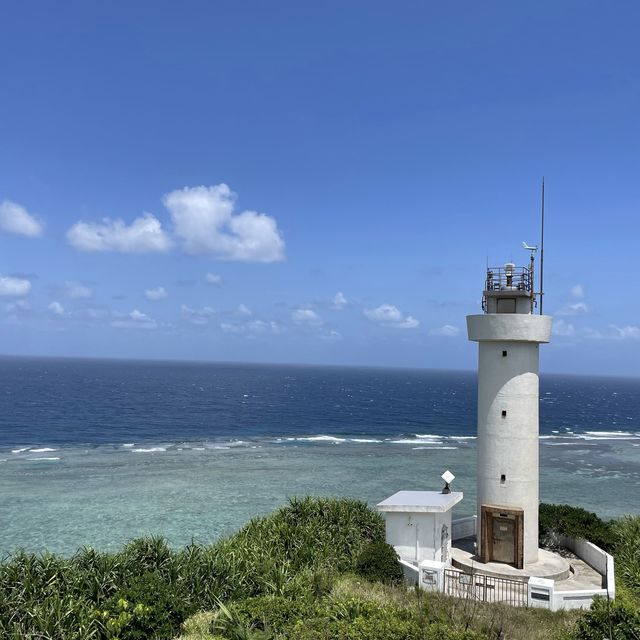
(626, 533)
(352, 599)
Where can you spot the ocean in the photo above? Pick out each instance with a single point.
(96, 452)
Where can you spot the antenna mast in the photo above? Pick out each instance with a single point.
(542, 248)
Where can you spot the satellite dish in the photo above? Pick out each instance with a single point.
(448, 477)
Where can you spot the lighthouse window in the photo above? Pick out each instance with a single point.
(504, 354)
(503, 479)
(504, 413)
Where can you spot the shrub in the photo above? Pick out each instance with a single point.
(614, 620)
(272, 613)
(354, 619)
(627, 554)
(557, 520)
(378, 562)
(290, 553)
(148, 607)
(39, 599)
(150, 554)
(96, 575)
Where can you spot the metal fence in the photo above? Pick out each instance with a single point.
(485, 588)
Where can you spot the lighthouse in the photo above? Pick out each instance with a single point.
(509, 334)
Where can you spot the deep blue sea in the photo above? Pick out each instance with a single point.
(97, 452)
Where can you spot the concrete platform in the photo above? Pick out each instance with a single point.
(550, 565)
(582, 577)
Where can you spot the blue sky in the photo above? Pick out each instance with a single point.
(315, 182)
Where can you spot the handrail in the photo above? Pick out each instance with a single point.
(515, 278)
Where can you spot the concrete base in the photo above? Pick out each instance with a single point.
(550, 565)
(582, 577)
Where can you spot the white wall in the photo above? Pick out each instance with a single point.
(418, 536)
(464, 527)
(575, 599)
(509, 326)
(410, 571)
(509, 445)
(596, 558)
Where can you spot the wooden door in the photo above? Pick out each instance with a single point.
(503, 546)
(502, 535)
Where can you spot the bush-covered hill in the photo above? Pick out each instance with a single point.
(312, 570)
(147, 589)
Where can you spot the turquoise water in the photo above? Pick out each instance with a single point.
(95, 453)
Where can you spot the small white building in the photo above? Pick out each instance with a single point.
(418, 524)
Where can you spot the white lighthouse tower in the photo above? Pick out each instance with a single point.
(508, 336)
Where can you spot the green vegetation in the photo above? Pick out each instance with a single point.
(626, 534)
(378, 562)
(316, 569)
(557, 520)
(619, 537)
(147, 590)
(616, 620)
(619, 620)
(356, 609)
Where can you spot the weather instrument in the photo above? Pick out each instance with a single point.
(448, 477)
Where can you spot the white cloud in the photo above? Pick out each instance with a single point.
(19, 306)
(93, 315)
(252, 328)
(213, 278)
(143, 235)
(306, 316)
(562, 328)
(614, 332)
(577, 292)
(10, 286)
(159, 293)
(447, 330)
(14, 218)
(576, 308)
(260, 326)
(573, 309)
(243, 310)
(134, 320)
(579, 307)
(56, 308)
(390, 316)
(138, 316)
(198, 317)
(630, 332)
(76, 291)
(339, 301)
(205, 222)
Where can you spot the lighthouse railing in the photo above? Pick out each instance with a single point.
(505, 279)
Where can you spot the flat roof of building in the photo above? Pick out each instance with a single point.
(420, 501)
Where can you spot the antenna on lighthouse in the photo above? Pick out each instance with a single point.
(533, 250)
(542, 248)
